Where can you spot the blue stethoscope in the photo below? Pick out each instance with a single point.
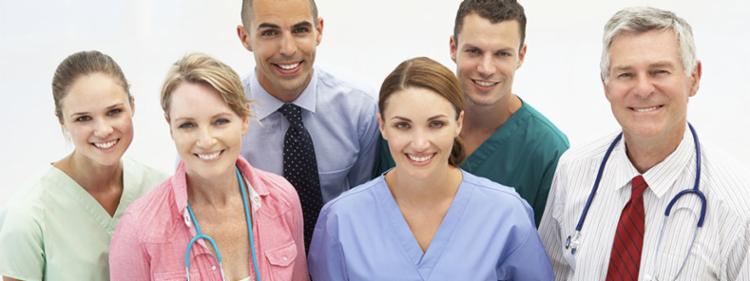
(574, 240)
(200, 235)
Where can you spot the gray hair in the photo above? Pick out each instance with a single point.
(644, 19)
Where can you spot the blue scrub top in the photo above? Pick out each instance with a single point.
(488, 233)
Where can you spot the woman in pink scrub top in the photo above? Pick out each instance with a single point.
(196, 224)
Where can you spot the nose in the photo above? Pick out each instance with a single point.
(644, 87)
(420, 142)
(103, 129)
(205, 139)
(288, 45)
(486, 66)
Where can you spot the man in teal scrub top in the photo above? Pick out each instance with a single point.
(507, 140)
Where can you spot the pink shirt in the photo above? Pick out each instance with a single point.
(151, 238)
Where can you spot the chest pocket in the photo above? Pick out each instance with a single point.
(282, 261)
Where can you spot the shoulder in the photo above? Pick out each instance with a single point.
(152, 206)
(727, 181)
(141, 176)
(337, 91)
(594, 151)
(26, 213)
(359, 198)
(543, 129)
(494, 193)
(278, 187)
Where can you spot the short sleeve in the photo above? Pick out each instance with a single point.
(326, 256)
(22, 246)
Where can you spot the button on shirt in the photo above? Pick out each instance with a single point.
(721, 247)
(151, 239)
(342, 125)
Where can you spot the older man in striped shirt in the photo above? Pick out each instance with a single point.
(605, 217)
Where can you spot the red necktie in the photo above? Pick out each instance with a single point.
(625, 259)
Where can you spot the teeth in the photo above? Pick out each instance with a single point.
(647, 109)
(288, 66)
(484, 83)
(211, 156)
(420, 159)
(105, 145)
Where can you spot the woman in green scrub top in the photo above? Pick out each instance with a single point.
(61, 228)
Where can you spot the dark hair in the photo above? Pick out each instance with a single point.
(427, 74)
(80, 64)
(493, 10)
(247, 11)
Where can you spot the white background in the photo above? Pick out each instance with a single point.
(362, 42)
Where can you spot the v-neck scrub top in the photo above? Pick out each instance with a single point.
(488, 233)
(58, 231)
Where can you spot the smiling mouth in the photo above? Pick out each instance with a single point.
(420, 159)
(105, 145)
(645, 109)
(209, 156)
(484, 83)
(288, 68)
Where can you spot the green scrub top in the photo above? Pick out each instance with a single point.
(58, 231)
(522, 153)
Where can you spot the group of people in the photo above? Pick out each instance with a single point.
(445, 176)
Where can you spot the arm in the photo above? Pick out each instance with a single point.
(549, 230)
(528, 261)
(362, 169)
(546, 181)
(737, 267)
(22, 254)
(326, 256)
(127, 257)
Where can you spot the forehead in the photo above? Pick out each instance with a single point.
(194, 100)
(280, 12)
(415, 103)
(93, 91)
(631, 49)
(477, 30)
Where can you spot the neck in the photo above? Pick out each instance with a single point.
(487, 118)
(94, 178)
(645, 153)
(429, 191)
(216, 191)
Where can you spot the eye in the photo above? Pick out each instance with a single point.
(301, 29)
(437, 124)
(401, 125)
(268, 33)
(186, 125)
(625, 75)
(114, 112)
(504, 54)
(473, 51)
(221, 121)
(659, 72)
(82, 118)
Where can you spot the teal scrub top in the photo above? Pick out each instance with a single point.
(522, 153)
(58, 231)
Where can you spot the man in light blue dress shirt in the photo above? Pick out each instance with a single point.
(283, 35)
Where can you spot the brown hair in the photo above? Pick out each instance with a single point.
(493, 10)
(202, 69)
(81, 64)
(425, 73)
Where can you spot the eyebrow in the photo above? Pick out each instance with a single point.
(188, 118)
(651, 65)
(87, 113)
(274, 26)
(428, 119)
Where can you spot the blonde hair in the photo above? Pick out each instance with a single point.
(203, 69)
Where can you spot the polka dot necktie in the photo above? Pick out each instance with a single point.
(625, 260)
(301, 167)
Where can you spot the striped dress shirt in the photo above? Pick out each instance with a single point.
(720, 250)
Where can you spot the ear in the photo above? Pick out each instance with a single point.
(695, 78)
(244, 37)
(132, 106)
(454, 47)
(381, 125)
(521, 56)
(460, 123)
(319, 29)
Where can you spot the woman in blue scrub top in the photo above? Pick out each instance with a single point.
(426, 219)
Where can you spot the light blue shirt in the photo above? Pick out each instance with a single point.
(488, 233)
(340, 119)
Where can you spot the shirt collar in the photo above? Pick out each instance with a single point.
(663, 175)
(264, 104)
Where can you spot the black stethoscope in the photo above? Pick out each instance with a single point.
(200, 235)
(574, 240)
